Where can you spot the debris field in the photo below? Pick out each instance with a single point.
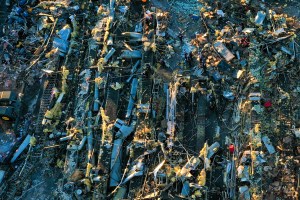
(150, 99)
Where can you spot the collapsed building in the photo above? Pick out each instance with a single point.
(123, 100)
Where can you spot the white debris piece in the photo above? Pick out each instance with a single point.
(254, 96)
(240, 170)
(220, 13)
(258, 109)
(297, 132)
(213, 149)
(268, 144)
(136, 170)
(190, 165)
(278, 31)
(158, 168)
(248, 30)
(260, 17)
(220, 47)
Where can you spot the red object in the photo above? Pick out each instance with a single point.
(245, 42)
(231, 148)
(268, 104)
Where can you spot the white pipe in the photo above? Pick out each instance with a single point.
(82, 142)
(69, 137)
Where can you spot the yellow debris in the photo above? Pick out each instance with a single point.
(204, 151)
(202, 178)
(32, 141)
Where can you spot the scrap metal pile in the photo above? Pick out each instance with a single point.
(137, 100)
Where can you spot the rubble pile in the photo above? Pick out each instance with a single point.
(151, 100)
